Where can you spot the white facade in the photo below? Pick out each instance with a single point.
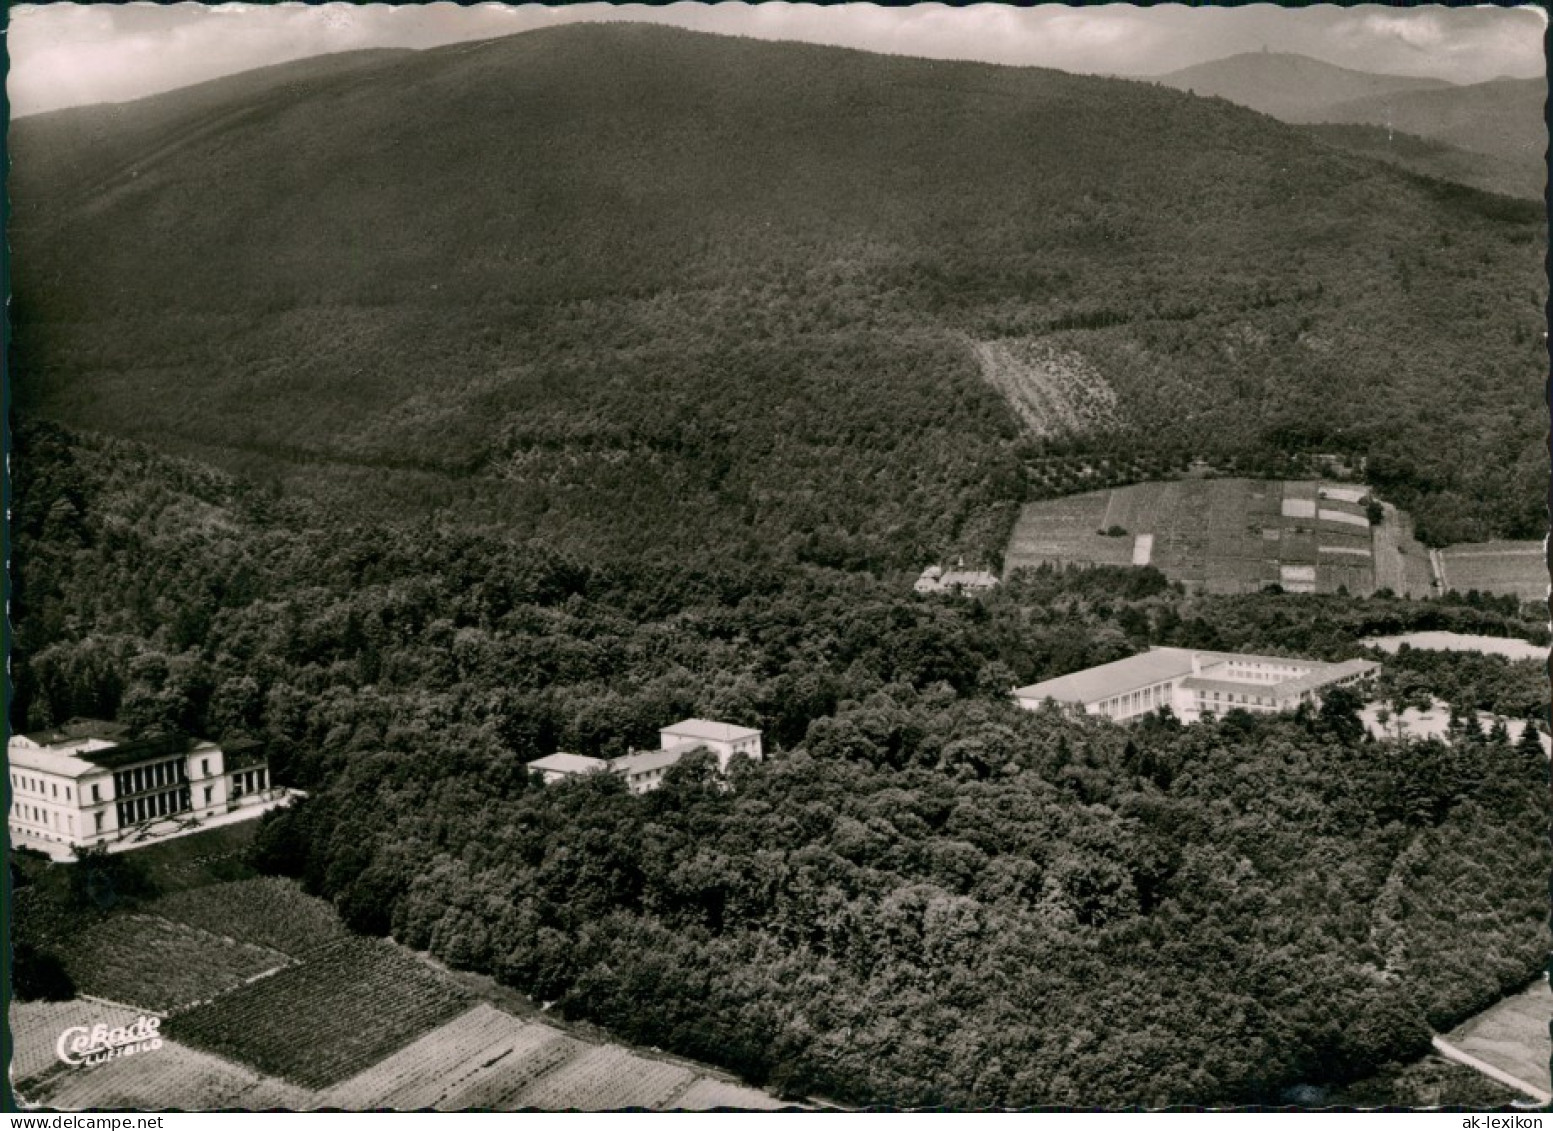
(1194, 683)
(81, 785)
(643, 771)
(723, 739)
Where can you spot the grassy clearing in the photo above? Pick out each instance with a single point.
(211, 857)
(1513, 1035)
(1517, 568)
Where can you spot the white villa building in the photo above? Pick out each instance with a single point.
(1192, 683)
(643, 770)
(723, 739)
(83, 784)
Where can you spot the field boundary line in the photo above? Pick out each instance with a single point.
(1451, 1052)
(122, 1005)
(1437, 563)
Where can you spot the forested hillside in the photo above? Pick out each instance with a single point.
(926, 895)
(652, 295)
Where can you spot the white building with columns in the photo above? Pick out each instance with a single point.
(84, 784)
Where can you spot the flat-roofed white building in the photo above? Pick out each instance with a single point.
(560, 766)
(84, 784)
(1192, 682)
(723, 739)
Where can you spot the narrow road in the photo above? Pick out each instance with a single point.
(1451, 1052)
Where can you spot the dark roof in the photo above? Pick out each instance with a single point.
(243, 754)
(140, 750)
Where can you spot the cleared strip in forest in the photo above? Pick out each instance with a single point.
(1052, 391)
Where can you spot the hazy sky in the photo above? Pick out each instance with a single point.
(68, 54)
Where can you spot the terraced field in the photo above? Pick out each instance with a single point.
(482, 1059)
(1402, 563)
(1223, 535)
(707, 1093)
(605, 1079)
(499, 1084)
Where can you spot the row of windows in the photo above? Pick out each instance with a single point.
(155, 805)
(31, 814)
(1229, 697)
(38, 786)
(144, 778)
(1146, 700)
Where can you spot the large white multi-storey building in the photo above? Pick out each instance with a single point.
(84, 784)
(1192, 683)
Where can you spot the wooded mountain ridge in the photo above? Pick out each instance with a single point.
(639, 291)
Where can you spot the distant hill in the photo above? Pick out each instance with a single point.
(1502, 118)
(1431, 126)
(636, 291)
(1292, 88)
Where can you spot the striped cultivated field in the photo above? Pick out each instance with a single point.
(1512, 1035)
(268, 911)
(158, 965)
(272, 1004)
(483, 1059)
(1222, 535)
(348, 1006)
(486, 1059)
(1402, 563)
(36, 1026)
(172, 1077)
(1053, 391)
(1518, 569)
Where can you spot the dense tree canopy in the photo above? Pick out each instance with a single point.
(925, 895)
